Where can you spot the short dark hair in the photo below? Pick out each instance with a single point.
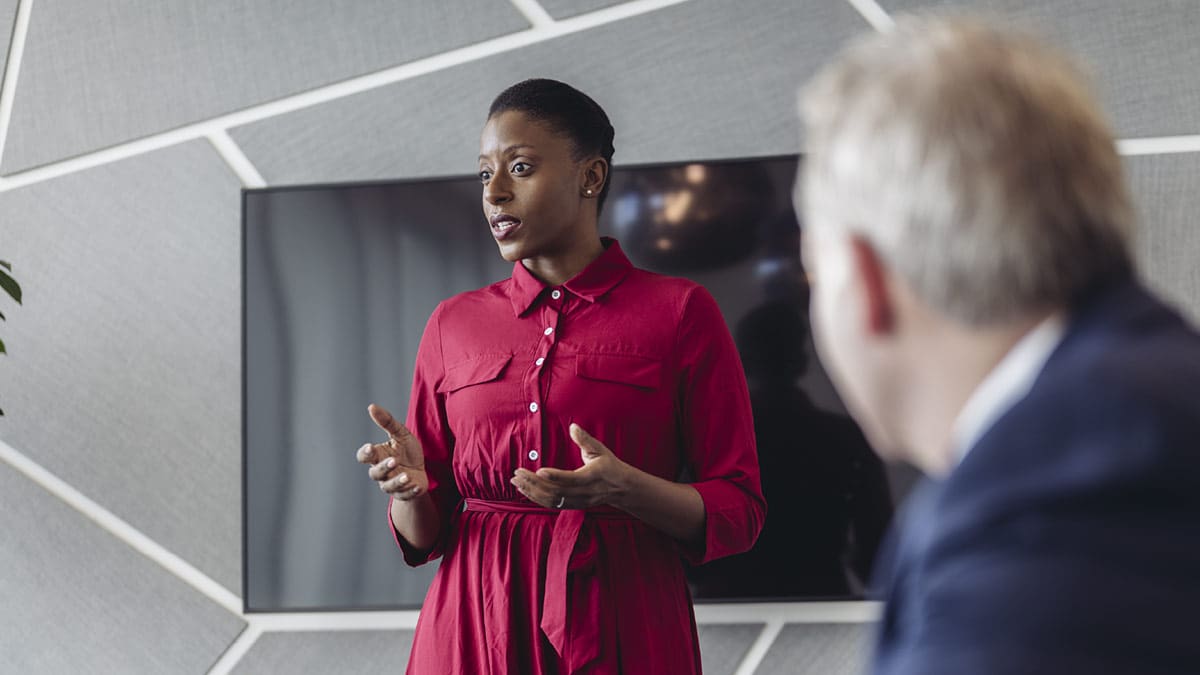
(566, 110)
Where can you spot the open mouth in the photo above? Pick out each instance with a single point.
(503, 225)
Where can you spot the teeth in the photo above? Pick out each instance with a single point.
(504, 225)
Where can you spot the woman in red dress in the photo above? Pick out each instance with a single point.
(551, 414)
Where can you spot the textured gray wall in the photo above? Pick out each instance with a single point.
(123, 373)
(99, 73)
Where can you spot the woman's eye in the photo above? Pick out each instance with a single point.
(520, 167)
(484, 176)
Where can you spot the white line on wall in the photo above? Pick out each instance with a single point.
(236, 650)
(120, 529)
(236, 159)
(788, 612)
(364, 620)
(534, 12)
(758, 650)
(874, 14)
(777, 614)
(12, 68)
(220, 124)
(1163, 145)
(338, 90)
(257, 624)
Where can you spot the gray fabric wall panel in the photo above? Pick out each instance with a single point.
(76, 600)
(1167, 191)
(319, 653)
(562, 9)
(818, 649)
(723, 646)
(123, 374)
(8, 16)
(704, 79)
(96, 74)
(1143, 57)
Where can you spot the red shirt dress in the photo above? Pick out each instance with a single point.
(645, 363)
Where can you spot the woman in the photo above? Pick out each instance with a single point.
(550, 414)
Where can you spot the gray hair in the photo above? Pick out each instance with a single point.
(976, 163)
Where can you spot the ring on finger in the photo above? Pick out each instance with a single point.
(561, 500)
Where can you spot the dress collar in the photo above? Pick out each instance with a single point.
(598, 278)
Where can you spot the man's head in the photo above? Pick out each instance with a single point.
(954, 173)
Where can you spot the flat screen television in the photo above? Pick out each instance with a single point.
(338, 282)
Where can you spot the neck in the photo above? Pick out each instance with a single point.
(947, 369)
(557, 268)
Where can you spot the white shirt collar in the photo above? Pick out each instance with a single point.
(1006, 384)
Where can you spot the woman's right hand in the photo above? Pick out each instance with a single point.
(398, 465)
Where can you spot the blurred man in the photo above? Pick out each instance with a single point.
(968, 232)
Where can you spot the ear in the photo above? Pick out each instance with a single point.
(872, 275)
(595, 174)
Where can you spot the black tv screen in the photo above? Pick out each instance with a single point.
(339, 281)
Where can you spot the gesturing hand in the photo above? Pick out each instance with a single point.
(399, 464)
(601, 480)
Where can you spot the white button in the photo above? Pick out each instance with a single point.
(533, 455)
(548, 331)
(532, 407)
(539, 362)
(556, 294)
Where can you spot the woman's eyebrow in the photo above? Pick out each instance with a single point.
(511, 149)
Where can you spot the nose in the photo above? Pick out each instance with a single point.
(496, 191)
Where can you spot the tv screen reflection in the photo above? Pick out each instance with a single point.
(339, 281)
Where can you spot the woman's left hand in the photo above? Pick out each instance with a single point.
(603, 478)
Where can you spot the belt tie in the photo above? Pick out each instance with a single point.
(572, 591)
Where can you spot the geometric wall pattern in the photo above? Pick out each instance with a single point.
(127, 131)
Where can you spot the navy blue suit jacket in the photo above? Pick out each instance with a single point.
(1068, 539)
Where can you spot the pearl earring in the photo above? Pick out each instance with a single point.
(589, 192)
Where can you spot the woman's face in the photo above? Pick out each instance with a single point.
(533, 194)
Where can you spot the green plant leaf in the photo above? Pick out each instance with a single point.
(9, 284)
(2, 350)
(6, 265)
(1, 316)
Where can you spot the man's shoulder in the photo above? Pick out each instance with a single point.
(1126, 363)
(1106, 434)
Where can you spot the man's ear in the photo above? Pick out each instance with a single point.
(873, 277)
(595, 173)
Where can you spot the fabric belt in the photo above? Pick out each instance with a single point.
(571, 601)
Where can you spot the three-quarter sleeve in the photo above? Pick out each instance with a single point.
(717, 431)
(427, 420)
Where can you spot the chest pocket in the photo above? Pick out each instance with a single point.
(638, 371)
(478, 370)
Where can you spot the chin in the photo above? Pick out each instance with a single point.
(512, 251)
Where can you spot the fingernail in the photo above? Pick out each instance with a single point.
(391, 462)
